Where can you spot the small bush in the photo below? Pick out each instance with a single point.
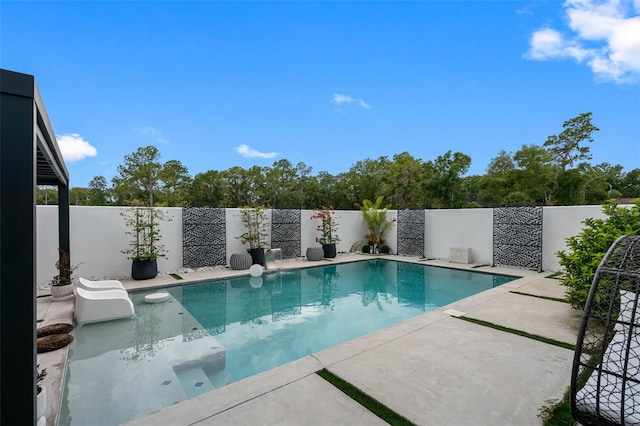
(366, 249)
(385, 249)
(587, 249)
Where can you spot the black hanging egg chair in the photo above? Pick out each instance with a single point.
(605, 380)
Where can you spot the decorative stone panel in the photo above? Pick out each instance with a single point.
(285, 232)
(411, 232)
(203, 237)
(517, 237)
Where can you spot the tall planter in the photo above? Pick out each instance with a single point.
(61, 292)
(145, 247)
(257, 256)
(328, 231)
(329, 251)
(144, 269)
(61, 287)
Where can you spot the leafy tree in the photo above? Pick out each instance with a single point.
(175, 181)
(445, 185)
(210, 188)
(630, 184)
(365, 179)
(517, 198)
(598, 183)
(98, 191)
(499, 179)
(138, 176)
(303, 173)
(323, 191)
(79, 196)
(281, 185)
(246, 187)
(502, 164)
(567, 148)
(46, 195)
(402, 182)
(534, 174)
(586, 250)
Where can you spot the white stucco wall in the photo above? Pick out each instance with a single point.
(472, 228)
(559, 223)
(98, 236)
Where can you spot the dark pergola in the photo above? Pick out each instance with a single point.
(29, 156)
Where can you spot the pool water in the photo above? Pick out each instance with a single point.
(210, 334)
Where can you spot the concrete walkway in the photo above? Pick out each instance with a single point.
(435, 369)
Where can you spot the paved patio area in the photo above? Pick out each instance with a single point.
(435, 369)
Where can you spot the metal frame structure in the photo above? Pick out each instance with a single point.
(605, 380)
(29, 156)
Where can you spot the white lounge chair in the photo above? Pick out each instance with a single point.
(99, 284)
(102, 305)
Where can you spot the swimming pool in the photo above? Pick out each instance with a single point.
(214, 333)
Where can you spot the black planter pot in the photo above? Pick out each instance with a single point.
(144, 269)
(329, 251)
(257, 255)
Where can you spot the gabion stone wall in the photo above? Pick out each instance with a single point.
(203, 237)
(286, 232)
(517, 237)
(411, 232)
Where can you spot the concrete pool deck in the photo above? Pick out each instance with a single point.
(434, 369)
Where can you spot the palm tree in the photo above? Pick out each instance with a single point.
(375, 217)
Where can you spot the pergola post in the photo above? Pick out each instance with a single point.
(63, 227)
(29, 156)
(17, 251)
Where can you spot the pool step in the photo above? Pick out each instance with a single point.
(220, 379)
(194, 382)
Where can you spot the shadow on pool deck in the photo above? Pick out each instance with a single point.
(434, 369)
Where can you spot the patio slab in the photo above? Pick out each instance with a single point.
(547, 318)
(310, 401)
(456, 373)
(547, 287)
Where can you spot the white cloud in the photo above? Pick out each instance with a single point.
(154, 133)
(246, 151)
(605, 35)
(340, 99)
(74, 148)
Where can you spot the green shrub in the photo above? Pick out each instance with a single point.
(586, 250)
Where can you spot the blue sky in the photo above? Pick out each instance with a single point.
(222, 84)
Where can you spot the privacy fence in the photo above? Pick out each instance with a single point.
(522, 237)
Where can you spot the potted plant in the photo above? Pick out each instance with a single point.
(375, 217)
(61, 287)
(328, 230)
(144, 248)
(254, 220)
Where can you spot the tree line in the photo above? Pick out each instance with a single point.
(557, 172)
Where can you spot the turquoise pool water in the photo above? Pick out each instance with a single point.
(214, 333)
